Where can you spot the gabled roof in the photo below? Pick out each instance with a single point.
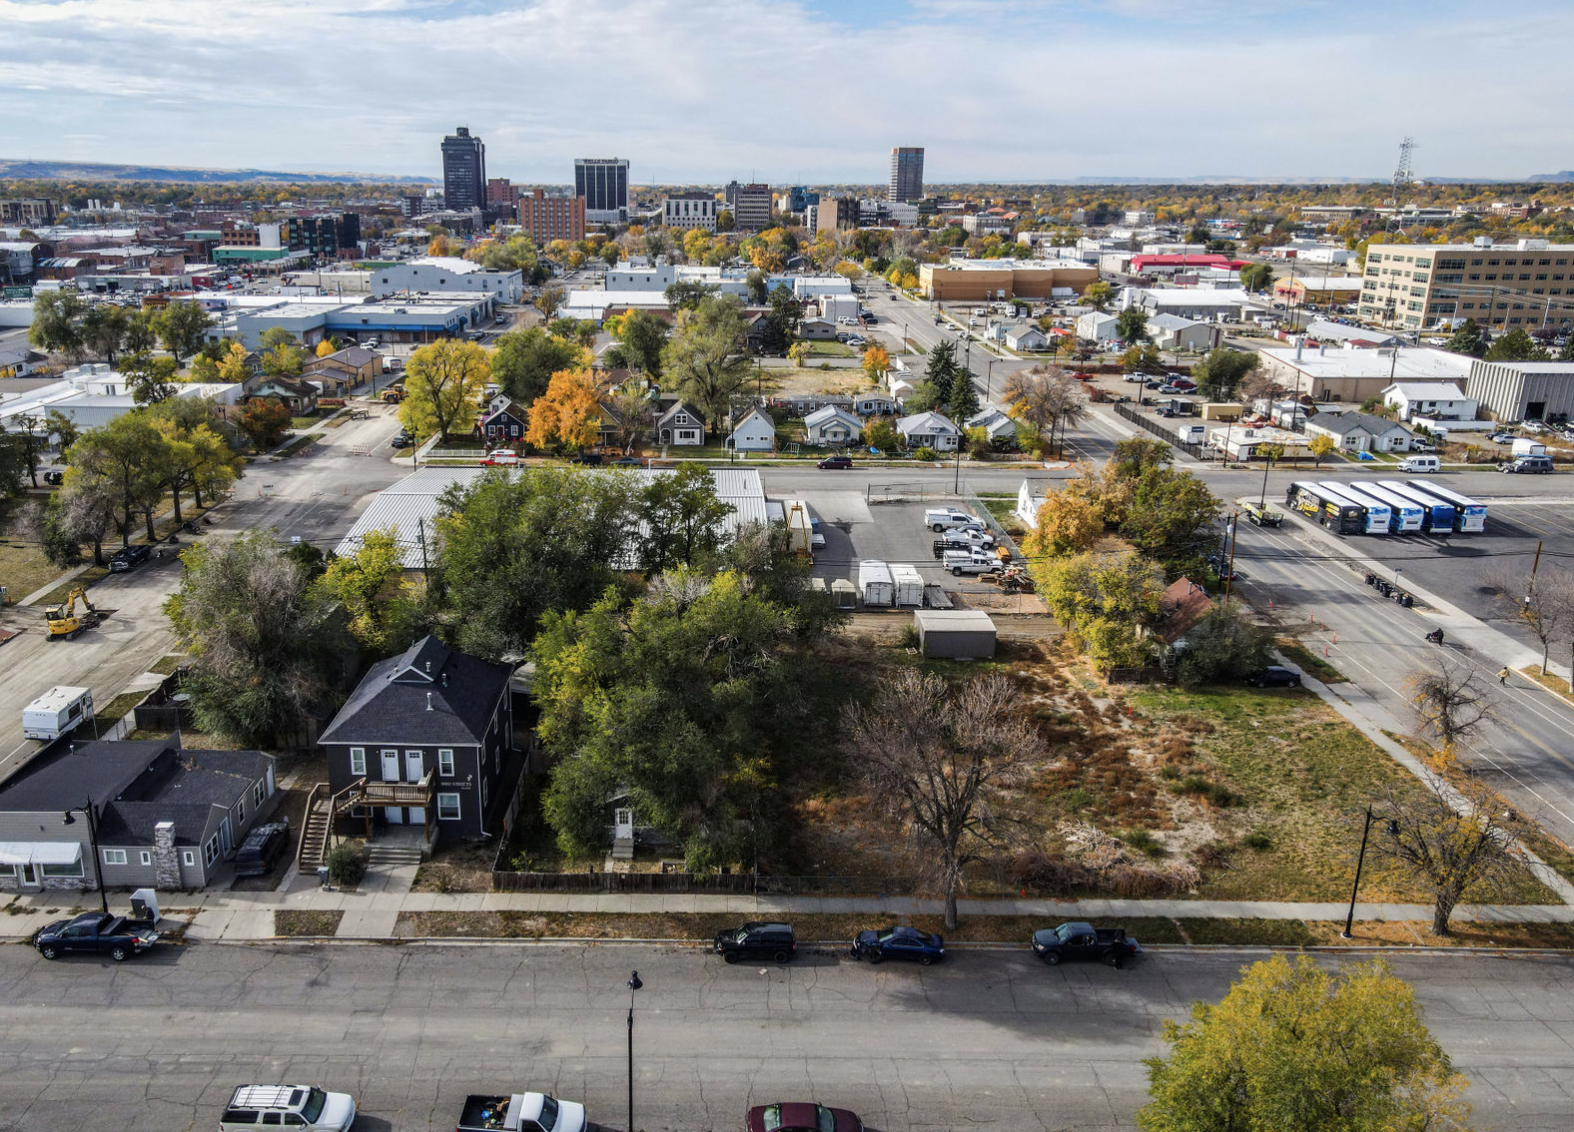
(1171, 322)
(926, 423)
(758, 414)
(1351, 421)
(509, 408)
(1428, 390)
(678, 407)
(1185, 604)
(353, 356)
(428, 694)
(826, 414)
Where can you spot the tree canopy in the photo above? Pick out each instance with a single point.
(443, 385)
(706, 359)
(523, 362)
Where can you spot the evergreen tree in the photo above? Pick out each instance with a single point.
(1467, 339)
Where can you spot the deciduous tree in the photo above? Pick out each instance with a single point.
(876, 363)
(264, 421)
(1293, 1046)
(1098, 295)
(383, 613)
(1068, 523)
(680, 516)
(127, 453)
(933, 754)
(1132, 325)
(1450, 702)
(567, 415)
(1319, 446)
(524, 361)
(151, 379)
(706, 359)
(550, 301)
(443, 384)
(1467, 339)
(644, 336)
(181, 326)
(1515, 346)
(261, 634)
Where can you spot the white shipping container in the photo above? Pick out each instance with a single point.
(1524, 446)
(875, 583)
(908, 585)
(56, 712)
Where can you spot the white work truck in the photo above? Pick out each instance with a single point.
(975, 561)
(940, 519)
(520, 1112)
(56, 712)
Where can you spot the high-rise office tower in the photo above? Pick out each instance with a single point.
(907, 173)
(604, 183)
(464, 171)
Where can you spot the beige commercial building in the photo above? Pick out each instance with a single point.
(992, 279)
(1523, 284)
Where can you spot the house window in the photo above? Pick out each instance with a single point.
(114, 856)
(188, 857)
(257, 793)
(145, 857)
(74, 869)
(239, 810)
(357, 760)
(210, 851)
(7, 870)
(448, 807)
(445, 762)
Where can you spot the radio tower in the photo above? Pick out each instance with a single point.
(1402, 176)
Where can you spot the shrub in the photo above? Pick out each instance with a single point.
(926, 453)
(1203, 790)
(1257, 840)
(1047, 875)
(346, 864)
(1075, 798)
(1143, 842)
(908, 637)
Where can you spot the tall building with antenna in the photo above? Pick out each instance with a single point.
(464, 171)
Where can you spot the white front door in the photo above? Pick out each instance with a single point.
(623, 824)
(394, 814)
(414, 768)
(225, 837)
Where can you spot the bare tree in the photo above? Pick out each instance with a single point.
(1543, 603)
(89, 508)
(1044, 397)
(1450, 836)
(1259, 383)
(931, 753)
(1450, 703)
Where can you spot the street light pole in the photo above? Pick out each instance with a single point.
(634, 985)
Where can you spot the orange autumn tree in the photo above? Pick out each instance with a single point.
(567, 414)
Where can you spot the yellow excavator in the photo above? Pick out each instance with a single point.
(63, 620)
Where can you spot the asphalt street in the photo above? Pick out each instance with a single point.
(988, 1039)
(314, 495)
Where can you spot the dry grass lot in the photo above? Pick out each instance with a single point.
(1230, 793)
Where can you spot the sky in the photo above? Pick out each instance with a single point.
(796, 91)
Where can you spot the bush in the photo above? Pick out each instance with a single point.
(908, 637)
(926, 453)
(1143, 842)
(1045, 875)
(346, 864)
(1221, 648)
(1258, 841)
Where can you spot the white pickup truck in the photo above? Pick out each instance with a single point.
(940, 519)
(961, 562)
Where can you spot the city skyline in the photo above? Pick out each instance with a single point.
(1132, 89)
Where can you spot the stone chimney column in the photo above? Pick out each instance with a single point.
(166, 860)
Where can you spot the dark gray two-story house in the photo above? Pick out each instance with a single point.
(422, 741)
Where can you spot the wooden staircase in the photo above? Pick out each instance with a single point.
(315, 827)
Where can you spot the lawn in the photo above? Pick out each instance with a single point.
(831, 350)
(306, 922)
(1004, 509)
(23, 567)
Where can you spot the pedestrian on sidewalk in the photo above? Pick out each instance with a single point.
(1503, 675)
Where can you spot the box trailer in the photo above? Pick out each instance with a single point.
(955, 634)
(875, 584)
(56, 712)
(844, 595)
(907, 585)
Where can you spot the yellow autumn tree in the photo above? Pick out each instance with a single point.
(232, 366)
(1068, 523)
(877, 363)
(568, 414)
(324, 348)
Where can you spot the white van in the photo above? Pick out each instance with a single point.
(1420, 464)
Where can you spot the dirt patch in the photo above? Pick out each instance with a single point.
(306, 922)
(466, 867)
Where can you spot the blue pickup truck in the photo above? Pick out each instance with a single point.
(1083, 941)
(119, 937)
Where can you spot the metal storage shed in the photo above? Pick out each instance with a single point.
(955, 634)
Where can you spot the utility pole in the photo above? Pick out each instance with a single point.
(420, 526)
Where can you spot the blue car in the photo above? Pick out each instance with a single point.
(898, 943)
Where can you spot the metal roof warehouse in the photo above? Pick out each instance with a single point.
(410, 505)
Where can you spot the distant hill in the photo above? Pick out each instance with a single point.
(1566, 175)
(175, 174)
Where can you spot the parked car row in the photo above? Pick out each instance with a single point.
(1071, 941)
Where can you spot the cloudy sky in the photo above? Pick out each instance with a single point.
(790, 91)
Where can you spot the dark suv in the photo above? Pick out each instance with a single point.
(757, 941)
(1274, 676)
(128, 557)
(262, 849)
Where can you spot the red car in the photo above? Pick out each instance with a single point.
(1085, 376)
(803, 1116)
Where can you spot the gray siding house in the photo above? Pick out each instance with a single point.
(429, 726)
(167, 817)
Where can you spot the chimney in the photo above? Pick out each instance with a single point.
(428, 668)
(1300, 343)
(428, 701)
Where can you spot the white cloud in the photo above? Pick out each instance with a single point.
(705, 90)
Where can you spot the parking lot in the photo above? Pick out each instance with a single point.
(856, 529)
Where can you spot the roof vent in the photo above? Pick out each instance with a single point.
(428, 701)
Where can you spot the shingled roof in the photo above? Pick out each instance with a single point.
(428, 694)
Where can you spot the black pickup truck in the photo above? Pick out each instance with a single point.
(1084, 941)
(116, 936)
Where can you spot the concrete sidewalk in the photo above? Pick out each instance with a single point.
(248, 916)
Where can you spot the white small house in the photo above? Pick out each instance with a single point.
(1030, 497)
(817, 330)
(1026, 338)
(1172, 332)
(1360, 432)
(1097, 326)
(832, 425)
(680, 425)
(929, 430)
(996, 424)
(1438, 400)
(874, 405)
(756, 432)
